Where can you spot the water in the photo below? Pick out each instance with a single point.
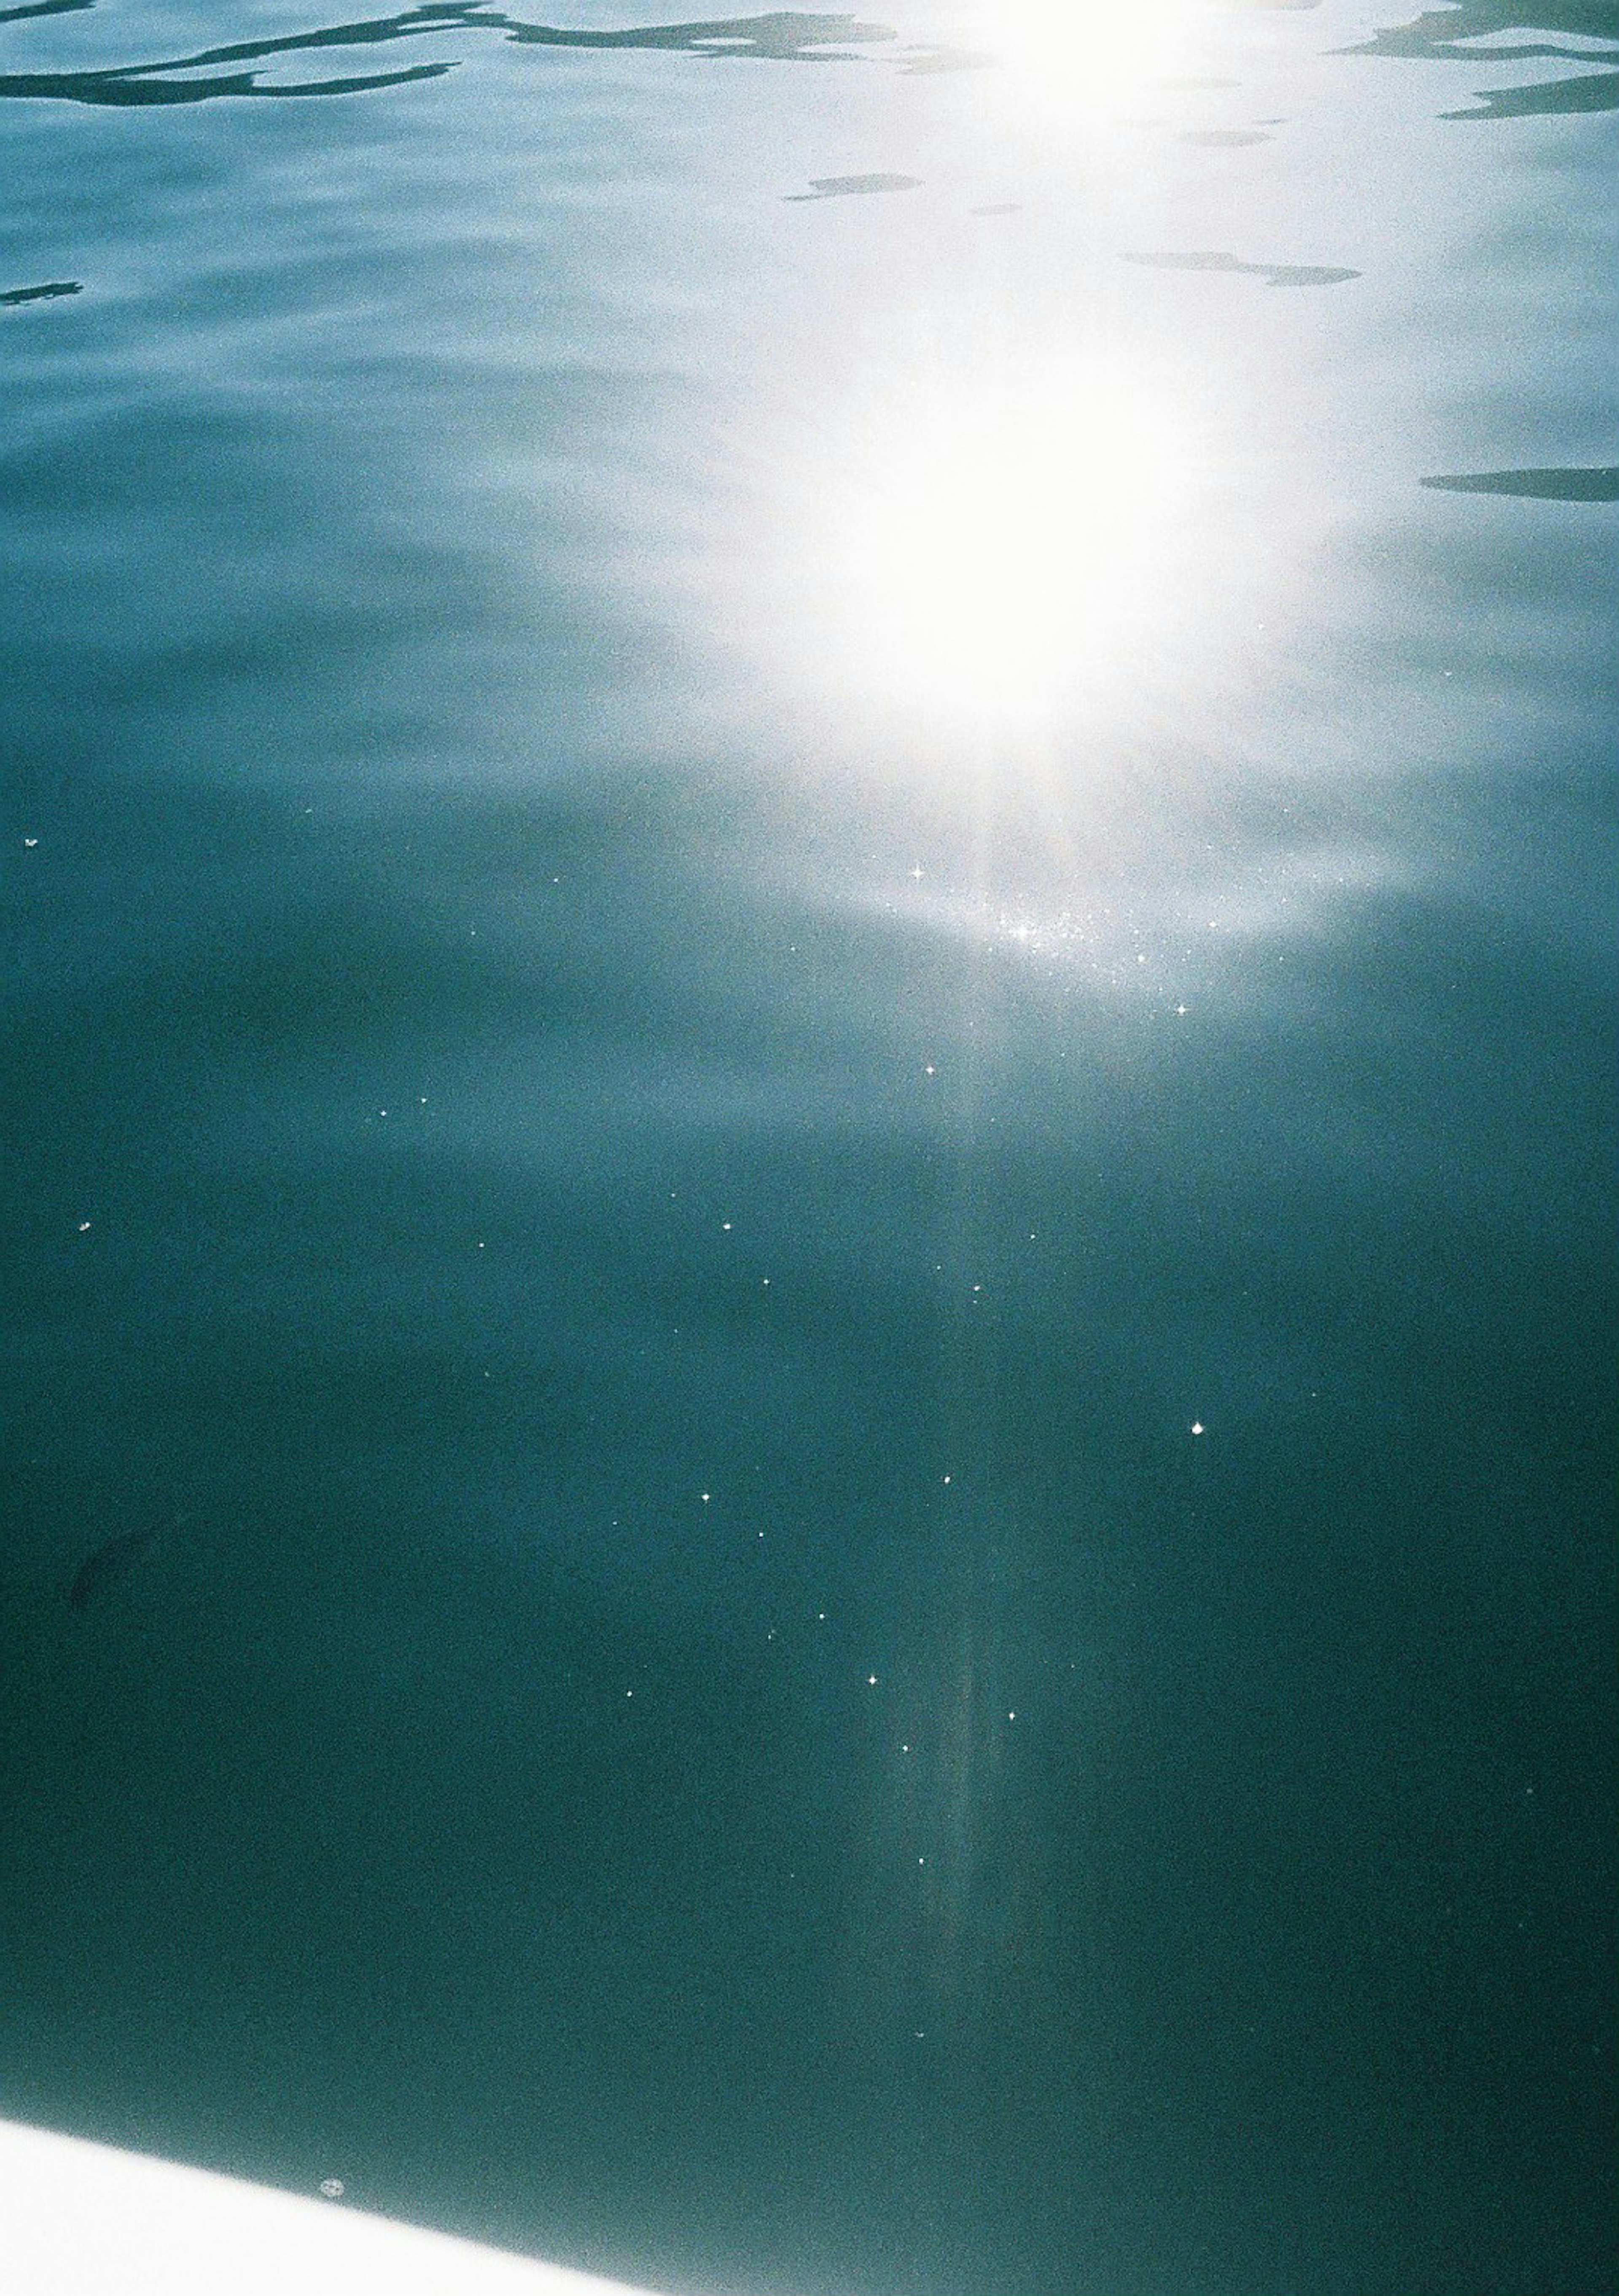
(809, 892)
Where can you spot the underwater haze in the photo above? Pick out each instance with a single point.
(808, 1133)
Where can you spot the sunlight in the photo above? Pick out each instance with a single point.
(1091, 54)
(1005, 549)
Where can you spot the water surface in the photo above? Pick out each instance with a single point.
(809, 1160)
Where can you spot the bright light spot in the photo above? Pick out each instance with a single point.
(997, 549)
(1091, 55)
(1197, 1428)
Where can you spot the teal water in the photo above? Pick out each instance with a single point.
(808, 869)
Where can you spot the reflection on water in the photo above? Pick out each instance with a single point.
(1054, 53)
(1275, 275)
(47, 291)
(1064, 62)
(837, 187)
(784, 38)
(1450, 34)
(996, 544)
(1594, 485)
(808, 1010)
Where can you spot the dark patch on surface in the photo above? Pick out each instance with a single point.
(1598, 483)
(947, 60)
(783, 37)
(844, 187)
(1304, 274)
(1548, 98)
(1274, 275)
(107, 1565)
(47, 292)
(1446, 35)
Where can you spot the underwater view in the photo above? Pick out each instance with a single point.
(808, 1130)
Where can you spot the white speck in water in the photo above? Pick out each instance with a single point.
(30, 840)
(871, 1678)
(706, 1497)
(1197, 1427)
(332, 2188)
(84, 1227)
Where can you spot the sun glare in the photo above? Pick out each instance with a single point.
(1091, 54)
(1009, 549)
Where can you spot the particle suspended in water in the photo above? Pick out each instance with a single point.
(332, 2188)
